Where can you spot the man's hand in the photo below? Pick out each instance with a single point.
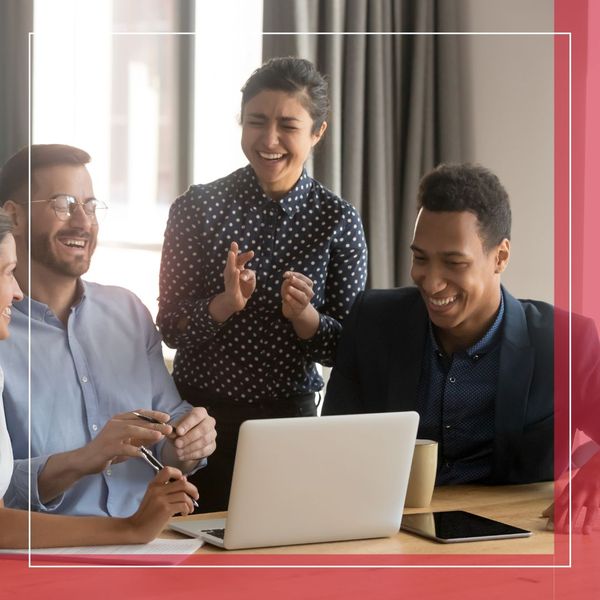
(296, 294)
(585, 494)
(193, 438)
(117, 441)
(240, 284)
(121, 438)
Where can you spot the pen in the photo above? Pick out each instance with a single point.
(156, 464)
(148, 419)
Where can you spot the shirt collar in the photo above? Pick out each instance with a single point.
(39, 310)
(291, 202)
(485, 343)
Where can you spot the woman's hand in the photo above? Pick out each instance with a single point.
(240, 283)
(163, 499)
(296, 294)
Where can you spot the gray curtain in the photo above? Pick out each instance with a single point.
(16, 21)
(396, 107)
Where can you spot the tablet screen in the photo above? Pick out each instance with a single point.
(459, 526)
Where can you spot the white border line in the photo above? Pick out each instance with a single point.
(29, 83)
(313, 566)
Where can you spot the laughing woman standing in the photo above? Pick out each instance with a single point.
(259, 269)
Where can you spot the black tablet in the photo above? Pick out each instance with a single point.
(459, 526)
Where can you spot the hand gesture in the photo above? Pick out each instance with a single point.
(168, 494)
(195, 435)
(121, 438)
(296, 294)
(240, 283)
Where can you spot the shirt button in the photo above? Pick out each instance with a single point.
(108, 472)
(448, 465)
(95, 427)
(452, 379)
(84, 379)
(447, 426)
(476, 357)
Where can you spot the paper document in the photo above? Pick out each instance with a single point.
(159, 551)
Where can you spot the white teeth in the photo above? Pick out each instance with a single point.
(270, 156)
(74, 243)
(7, 312)
(442, 301)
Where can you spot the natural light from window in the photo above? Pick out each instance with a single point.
(102, 84)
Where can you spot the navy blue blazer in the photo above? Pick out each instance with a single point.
(379, 361)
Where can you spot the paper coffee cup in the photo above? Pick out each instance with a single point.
(422, 474)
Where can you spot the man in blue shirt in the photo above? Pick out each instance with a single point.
(476, 363)
(95, 357)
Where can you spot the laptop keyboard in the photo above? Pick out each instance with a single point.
(218, 533)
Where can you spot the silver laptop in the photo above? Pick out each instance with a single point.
(315, 479)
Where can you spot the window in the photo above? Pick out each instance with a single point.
(157, 111)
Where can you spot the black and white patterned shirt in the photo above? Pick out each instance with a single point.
(256, 352)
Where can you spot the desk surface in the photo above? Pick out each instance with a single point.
(519, 505)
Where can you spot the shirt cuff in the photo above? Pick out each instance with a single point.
(321, 346)
(17, 495)
(203, 325)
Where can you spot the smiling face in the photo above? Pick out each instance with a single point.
(277, 139)
(61, 247)
(9, 288)
(458, 278)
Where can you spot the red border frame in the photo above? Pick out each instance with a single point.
(581, 581)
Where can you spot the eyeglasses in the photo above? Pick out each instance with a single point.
(65, 205)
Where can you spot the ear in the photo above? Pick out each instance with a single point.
(317, 136)
(502, 257)
(18, 215)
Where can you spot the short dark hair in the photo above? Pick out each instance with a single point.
(14, 175)
(473, 188)
(6, 224)
(295, 76)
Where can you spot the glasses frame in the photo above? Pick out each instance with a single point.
(66, 215)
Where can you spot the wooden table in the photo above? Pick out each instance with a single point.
(519, 505)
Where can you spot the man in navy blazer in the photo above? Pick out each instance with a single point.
(476, 363)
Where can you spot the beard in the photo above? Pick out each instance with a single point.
(42, 252)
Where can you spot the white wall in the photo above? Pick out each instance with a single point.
(509, 92)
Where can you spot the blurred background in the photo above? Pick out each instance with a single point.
(151, 89)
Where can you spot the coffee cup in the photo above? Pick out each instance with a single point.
(422, 474)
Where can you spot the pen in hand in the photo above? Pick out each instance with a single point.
(147, 454)
(156, 464)
(149, 419)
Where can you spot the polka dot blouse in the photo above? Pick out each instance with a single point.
(256, 353)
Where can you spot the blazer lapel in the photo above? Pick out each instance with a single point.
(406, 356)
(514, 380)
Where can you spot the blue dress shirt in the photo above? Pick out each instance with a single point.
(107, 360)
(456, 404)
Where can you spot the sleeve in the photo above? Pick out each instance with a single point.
(343, 389)
(183, 316)
(165, 396)
(346, 277)
(17, 494)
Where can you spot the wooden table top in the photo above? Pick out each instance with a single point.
(519, 505)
